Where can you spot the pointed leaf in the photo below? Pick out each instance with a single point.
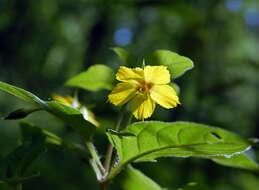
(97, 77)
(132, 178)
(20, 113)
(177, 64)
(126, 57)
(151, 140)
(20, 93)
(68, 114)
(238, 161)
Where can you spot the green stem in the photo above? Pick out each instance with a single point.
(95, 156)
(130, 119)
(110, 147)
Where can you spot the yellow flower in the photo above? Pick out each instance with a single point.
(144, 88)
(70, 101)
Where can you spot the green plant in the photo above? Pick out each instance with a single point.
(137, 142)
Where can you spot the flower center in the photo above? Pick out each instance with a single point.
(143, 88)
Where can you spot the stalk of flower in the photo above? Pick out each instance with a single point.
(70, 101)
(143, 88)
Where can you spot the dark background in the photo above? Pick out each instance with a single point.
(45, 42)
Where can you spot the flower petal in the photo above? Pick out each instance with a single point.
(67, 100)
(125, 74)
(164, 95)
(122, 93)
(156, 74)
(142, 108)
(89, 116)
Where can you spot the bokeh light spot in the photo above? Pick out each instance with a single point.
(234, 5)
(122, 36)
(252, 17)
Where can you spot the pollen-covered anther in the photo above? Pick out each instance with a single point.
(143, 87)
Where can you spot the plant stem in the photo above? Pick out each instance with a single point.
(110, 147)
(130, 119)
(95, 156)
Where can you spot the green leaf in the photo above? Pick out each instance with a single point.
(73, 117)
(20, 113)
(151, 140)
(238, 161)
(70, 115)
(126, 57)
(20, 93)
(177, 65)
(132, 178)
(97, 77)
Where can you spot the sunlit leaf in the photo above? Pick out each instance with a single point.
(97, 77)
(132, 178)
(152, 140)
(126, 57)
(177, 64)
(238, 161)
(70, 115)
(21, 93)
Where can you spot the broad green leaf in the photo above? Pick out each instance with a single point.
(21, 113)
(151, 140)
(70, 115)
(97, 77)
(238, 161)
(126, 57)
(132, 178)
(20, 93)
(177, 64)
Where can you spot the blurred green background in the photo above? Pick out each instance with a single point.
(43, 43)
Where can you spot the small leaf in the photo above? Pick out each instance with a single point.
(177, 64)
(238, 161)
(132, 178)
(126, 58)
(97, 77)
(155, 139)
(20, 113)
